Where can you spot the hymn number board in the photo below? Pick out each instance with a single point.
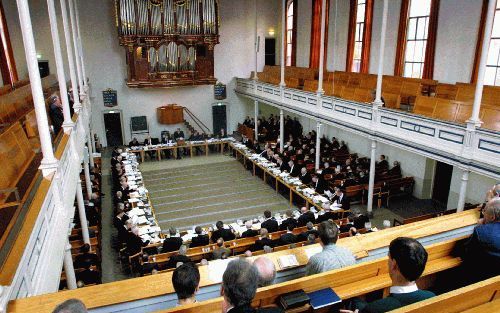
(110, 98)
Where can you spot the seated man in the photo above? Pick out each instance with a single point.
(85, 259)
(482, 250)
(263, 241)
(341, 200)
(310, 231)
(407, 259)
(221, 252)
(179, 258)
(270, 223)
(239, 285)
(306, 217)
(266, 269)
(200, 239)
(186, 280)
(288, 238)
(146, 266)
(221, 232)
(332, 256)
(305, 177)
(249, 232)
(327, 215)
(173, 242)
(289, 220)
(71, 306)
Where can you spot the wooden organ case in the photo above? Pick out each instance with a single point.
(168, 42)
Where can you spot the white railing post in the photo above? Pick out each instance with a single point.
(49, 163)
(256, 113)
(378, 94)
(68, 268)
(282, 131)
(371, 181)
(91, 149)
(322, 49)
(283, 45)
(75, 47)
(69, 50)
(86, 171)
(81, 212)
(463, 189)
(256, 77)
(318, 144)
(61, 77)
(80, 46)
(476, 106)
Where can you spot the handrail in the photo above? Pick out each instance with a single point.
(197, 121)
(157, 285)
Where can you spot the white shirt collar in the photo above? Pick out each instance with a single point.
(404, 289)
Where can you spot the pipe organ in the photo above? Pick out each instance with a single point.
(168, 42)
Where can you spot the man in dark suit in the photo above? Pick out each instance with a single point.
(294, 169)
(179, 135)
(85, 259)
(180, 257)
(305, 217)
(382, 164)
(239, 284)
(249, 232)
(310, 231)
(146, 266)
(56, 113)
(173, 242)
(319, 184)
(221, 232)
(288, 237)
(200, 239)
(305, 177)
(341, 199)
(288, 221)
(263, 241)
(270, 223)
(134, 142)
(359, 220)
(407, 259)
(482, 250)
(134, 242)
(328, 214)
(220, 251)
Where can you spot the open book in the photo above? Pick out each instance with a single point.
(287, 261)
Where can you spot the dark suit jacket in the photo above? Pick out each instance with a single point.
(306, 179)
(327, 216)
(321, 186)
(482, 251)
(295, 171)
(249, 233)
(56, 115)
(303, 236)
(305, 218)
(249, 309)
(199, 241)
(288, 221)
(260, 243)
(88, 276)
(134, 244)
(225, 234)
(345, 202)
(86, 260)
(171, 244)
(395, 301)
(271, 225)
(172, 262)
(287, 239)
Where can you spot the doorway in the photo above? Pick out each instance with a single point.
(219, 117)
(113, 128)
(270, 51)
(442, 182)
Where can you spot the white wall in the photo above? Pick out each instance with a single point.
(476, 188)
(303, 32)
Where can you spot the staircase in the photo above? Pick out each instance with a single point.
(196, 121)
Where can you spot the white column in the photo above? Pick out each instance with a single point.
(86, 171)
(69, 50)
(81, 213)
(61, 77)
(488, 26)
(282, 131)
(68, 267)
(80, 46)
(90, 149)
(48, 164)
(256, 77)
(283, 44)
(378, 95)
(256, 113)
(75, 46)
(371, 181)
(318, 146)
(463, 189)
(322, 48)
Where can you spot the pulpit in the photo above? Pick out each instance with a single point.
(170, 114)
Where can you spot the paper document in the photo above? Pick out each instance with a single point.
(216, 269)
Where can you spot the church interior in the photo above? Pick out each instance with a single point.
(249, 156)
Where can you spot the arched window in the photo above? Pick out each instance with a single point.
(417, 38)
(360, 30)
(291, 32)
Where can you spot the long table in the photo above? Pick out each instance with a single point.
(188, 145)
(293, 190)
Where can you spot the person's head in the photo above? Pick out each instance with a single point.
(198, 230)
(219, 225)
(248, 224)
(382, 157)
(85, 248)
(220, 242)
(492, 211)
(71, 306)
(338, 192)
(239, 283)
(386, 224)
(267, 249)
(328, 233)
(303, 171)
(186, 280)
(120, 206)
(311, 238)
(407, 259)
(172, 231)
(327, 165)
(266, 269)
(183, 250)
(264, 233)
(267, 214)
(290, 227)
(395, 163)
(304, 210)
(310, 226)
(289, 213)
(55, 100)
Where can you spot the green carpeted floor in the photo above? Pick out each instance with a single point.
(217, 188)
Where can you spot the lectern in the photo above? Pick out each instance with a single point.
(170, 114)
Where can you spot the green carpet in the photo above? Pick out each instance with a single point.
(202, 194)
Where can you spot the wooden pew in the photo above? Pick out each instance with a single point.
(310, 85)
(483, 296)
(446, 91)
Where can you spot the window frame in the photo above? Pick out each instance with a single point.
(293, 29)
(366, 38)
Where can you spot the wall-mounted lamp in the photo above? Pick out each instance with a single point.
(271, 32)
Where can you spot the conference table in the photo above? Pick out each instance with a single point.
(191, 145)
(294, 186)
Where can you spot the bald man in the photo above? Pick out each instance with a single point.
(266, 269)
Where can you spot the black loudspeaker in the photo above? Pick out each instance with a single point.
(43, 67)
